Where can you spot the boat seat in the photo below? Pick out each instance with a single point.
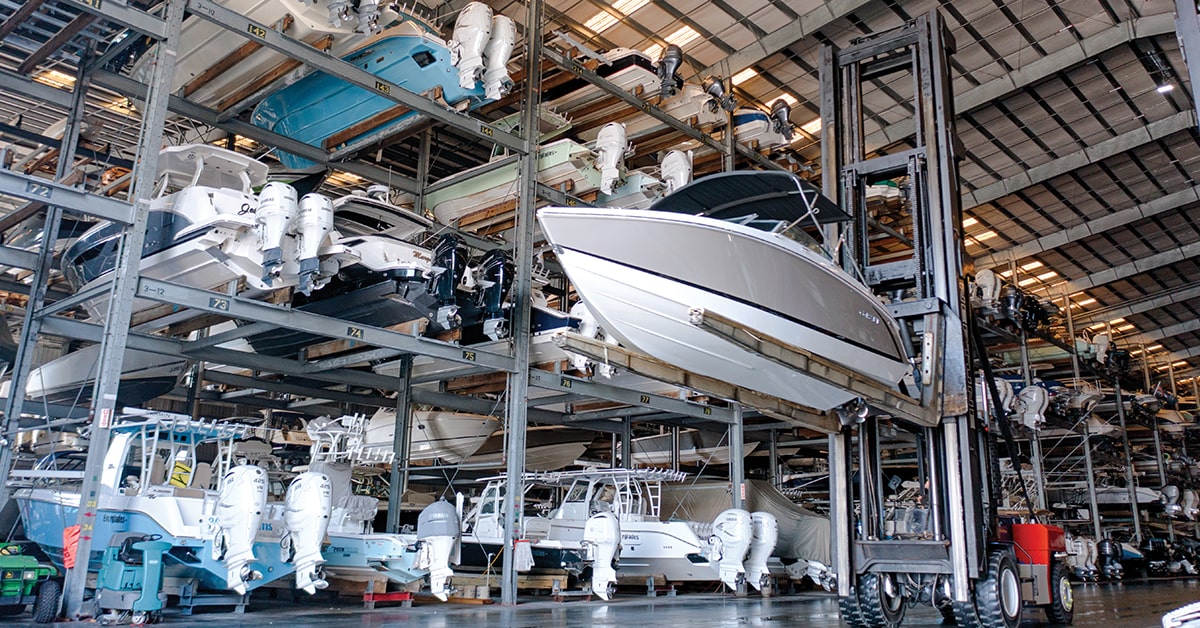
(197, 493)
(158, 471)
(202, 476)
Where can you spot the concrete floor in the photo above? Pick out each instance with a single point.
(1130, 605)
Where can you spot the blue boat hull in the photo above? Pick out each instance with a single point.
(319, 106)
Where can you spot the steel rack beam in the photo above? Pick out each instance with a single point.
(221, 16)
(231, 379)
(794, 414)
(588, 388)
(1147, 303)
(654, 112)
(37, 190)
(236, 307)
(121, 13)
(19, 258)
(828, 372)
(1129, 269)
(1187, 29)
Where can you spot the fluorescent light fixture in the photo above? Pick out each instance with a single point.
(1179, 363)
(1124, 328)
(1096, 325)
(604, 20)
(1153, 347)
(1087, 301)
(54, 78)
(1116, 321)
(683, 36)
(1031, 265)
(1047, 275)
(744, 75)
(986, 235)
(1165, 87)
(1026, 282)
(812, 128)
(969, 222)
(1005, 273)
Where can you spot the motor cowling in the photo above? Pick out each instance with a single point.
(306, 515)
(602, 543)
(312, 226)
(781, 113)
(676, 169)
(277, 208)
(496, 82)
(241, 503)
(727, 547)
(438, 529)
(494, 277)
(610, 161)
(449, 265)
(668, 71)
(764, 534)
(472, 30)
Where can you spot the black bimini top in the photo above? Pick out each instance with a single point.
(770, 195)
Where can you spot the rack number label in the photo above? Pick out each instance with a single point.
(644, 399)
(95, 4)
(487, 130)
(383, 87)
(218, 303)
(256, 30)
(707, 410)
(37, 189)
(564, 382)
(354, 332)
(469, 355)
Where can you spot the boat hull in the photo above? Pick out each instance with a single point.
(450, 436)
(365, 555)
(70, 379)
(642, 293)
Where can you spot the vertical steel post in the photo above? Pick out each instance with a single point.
(1130, 484)
(737, 462)
(518, 382)
(840, 507)
(773, 458)
(1035, 440)
(423, 158)
(1187, 29)
(120, 306)
(627, 444)
(674, 447)
(1093, 505)
(401, 443)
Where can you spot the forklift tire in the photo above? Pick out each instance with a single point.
(851, 613)
(45, 606)
(998, 598)
(880, 600)
(1061, 609)
(948, 617)
(8, 610)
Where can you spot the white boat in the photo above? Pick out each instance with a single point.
(642, 187)
(70, 378)
(629, 69)
(448, 436)
(546, 449)
(695, 447)
(690, 104)
(730, 244)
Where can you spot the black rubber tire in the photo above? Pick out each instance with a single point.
(998, 598)
(8, 610)
(948, 617)
(1061, 609)
(879, 609)
(851, 613)
(965, 615)
(45, 606)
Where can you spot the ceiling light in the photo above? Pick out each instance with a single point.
(1005, 273)
(1153, 347)
(1026, 282)
(1116, 321)
(601, 22)
(1165, 87)
(1087, 301)
(1096, 325)
(812, 128)
(787, 98)
(54, 78)
(1047, 275)
(1031, 265)
(1124, 328)
(654, 51)
(969, 222)
(683, 36)
(986, 235)
(1179, 363)
(744, 75)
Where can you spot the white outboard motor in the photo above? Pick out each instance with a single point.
(610, 160)
(368, 17)
(590, 327)
(602, 539)
(339, 11)
(1188, 504)
(1170, 496)
(1031, 406)
(988, 283)
(312, 226)
(438, 528)
(306, 515)
(765, 532)
(240, 507)
(471, 33)
(496, 83)
(732, 532)
(676, 170)
(277, 208)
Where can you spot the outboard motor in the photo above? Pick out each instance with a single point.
(368, 17)
(764, 534)
(676, 170)
(589, 327)
(1170, 498)
(471, 33)
(1188, 504)
(240, 507)
(781, 114)
(438, 528)
(715, 88)
(1109, 563)
(495, 279)
(277, 208)
(339, 11)
(732, 532)
(312, 226)
(496, 82)
(988, 285)
(306, 515)
(602, 542)
(668, 69)
(1010, 304)
(1032, 403)
(611, 149)
(449, 264)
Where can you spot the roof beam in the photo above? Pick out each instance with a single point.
(1157, 335)
(1092, 154)
(1031, 73)
(804, 26)
(1116, 273)
(1121, 218)
(1187, 29)
(19, 17)
(1138, 306)
(59, 40)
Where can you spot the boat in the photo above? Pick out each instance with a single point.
(695, 447)
(546, 448)
(70, 379)
(326, 111)
(641, 187)
(730, 243)
(690, 104)
(627, 68)
(464, 198)
(174, 477)
(448, 436)
(761, 130)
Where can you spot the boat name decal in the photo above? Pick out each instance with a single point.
(247, 209)
(266, 527)
(115, 518)
(869, 316)
(630, 537)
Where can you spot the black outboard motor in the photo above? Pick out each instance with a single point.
(449, 264)
(1011, 303)
(495, 280)
(668, 68)
(1106, 553)
(715, 88)
(781, 112)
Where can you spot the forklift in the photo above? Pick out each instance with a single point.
(914, 485)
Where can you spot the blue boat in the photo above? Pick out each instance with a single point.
(321, 108)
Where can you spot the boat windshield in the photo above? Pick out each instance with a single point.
(790, 230)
